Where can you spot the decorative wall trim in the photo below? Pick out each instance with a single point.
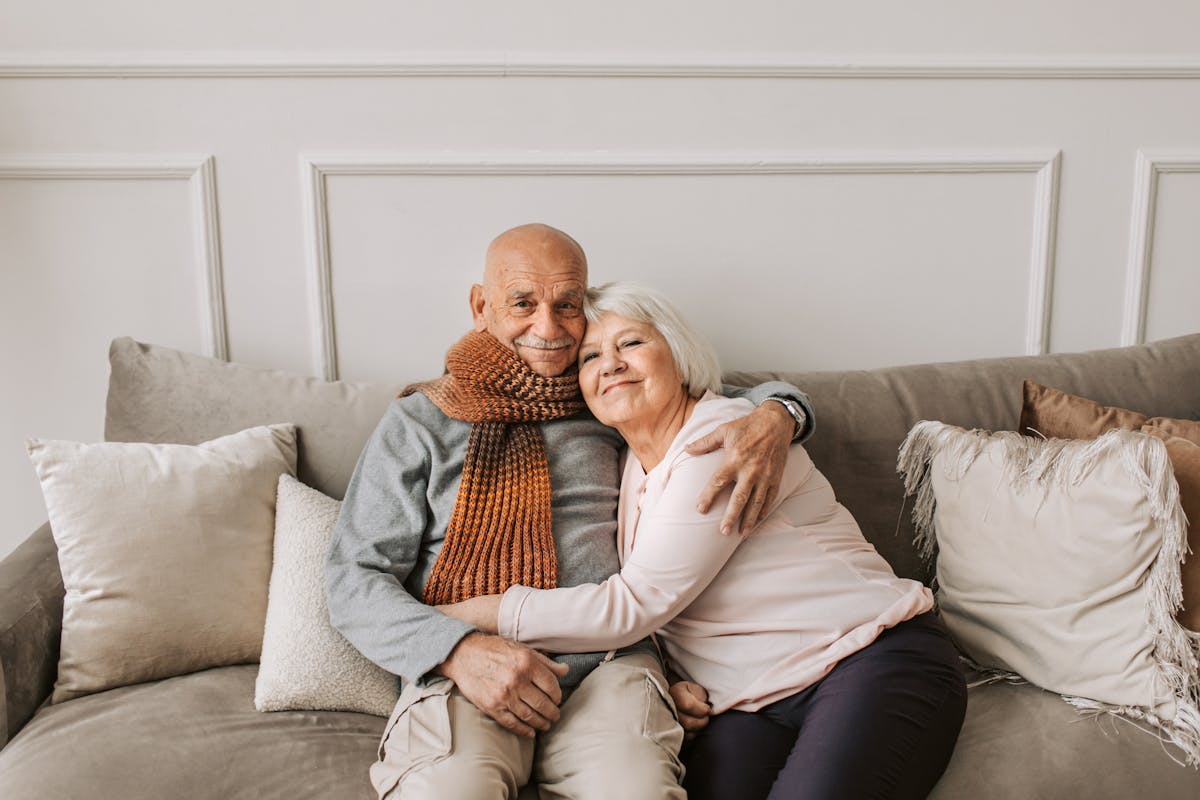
(133, 64)
(1147, 167)
(198, 170)
(316, 168)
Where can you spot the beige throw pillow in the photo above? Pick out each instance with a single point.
(1059, 561)
(306, 664)
(165, 552)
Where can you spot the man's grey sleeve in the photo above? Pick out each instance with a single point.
(760, 393)
(375, 545)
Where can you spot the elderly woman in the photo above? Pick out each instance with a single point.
(826, 675)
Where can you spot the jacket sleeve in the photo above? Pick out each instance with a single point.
(758, 394)
(677, 554)
(374, 548)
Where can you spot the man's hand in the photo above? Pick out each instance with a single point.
(756, 448)
(691, 705)
(512, 684)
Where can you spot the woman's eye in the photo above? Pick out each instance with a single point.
(587, 357)
(631, 343)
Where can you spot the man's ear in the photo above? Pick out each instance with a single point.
(478, 301)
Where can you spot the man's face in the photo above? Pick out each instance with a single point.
(532, 299)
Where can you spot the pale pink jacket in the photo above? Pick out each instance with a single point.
(752, 619)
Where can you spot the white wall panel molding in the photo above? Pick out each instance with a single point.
(1148, 166)
(138, 64)
(316, 169)
(197, 170)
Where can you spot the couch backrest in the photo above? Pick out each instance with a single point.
(863, 416)
(157, 394)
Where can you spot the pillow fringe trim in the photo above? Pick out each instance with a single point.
(1039, 464)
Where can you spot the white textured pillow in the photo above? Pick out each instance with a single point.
(306, 664)
(1060, 561)
(165, 551)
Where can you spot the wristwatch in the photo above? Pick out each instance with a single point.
(796, 411)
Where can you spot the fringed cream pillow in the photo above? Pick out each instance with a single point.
(1059, 561)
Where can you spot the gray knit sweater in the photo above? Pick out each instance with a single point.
(399, 502)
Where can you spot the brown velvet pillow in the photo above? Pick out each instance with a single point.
(1055, 414)
(1185, 459)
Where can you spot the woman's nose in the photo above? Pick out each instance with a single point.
(611, 363)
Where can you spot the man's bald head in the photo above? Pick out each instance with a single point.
(531, 299)
(534, 239)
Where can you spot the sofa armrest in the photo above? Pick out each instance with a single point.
(31, 606)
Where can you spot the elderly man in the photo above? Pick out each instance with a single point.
(495, 475)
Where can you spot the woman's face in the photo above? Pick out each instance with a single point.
(626, 372)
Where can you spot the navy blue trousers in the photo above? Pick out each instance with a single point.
(881, 724)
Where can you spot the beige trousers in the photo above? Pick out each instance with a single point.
(617, 736)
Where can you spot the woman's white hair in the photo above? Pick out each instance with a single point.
(694, 358)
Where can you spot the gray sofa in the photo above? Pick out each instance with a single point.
(198, 735)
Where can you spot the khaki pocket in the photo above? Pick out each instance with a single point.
(417, 733)
(661, 724)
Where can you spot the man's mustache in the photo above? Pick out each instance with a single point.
(538, 343)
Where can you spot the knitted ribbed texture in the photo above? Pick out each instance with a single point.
(500, 532)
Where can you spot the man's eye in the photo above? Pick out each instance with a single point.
(522, 304)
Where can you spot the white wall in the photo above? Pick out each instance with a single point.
(819, 186)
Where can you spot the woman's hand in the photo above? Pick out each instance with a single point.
(756, 451)
(691, 705)
(483, 611)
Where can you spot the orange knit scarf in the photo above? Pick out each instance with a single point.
(500, 531)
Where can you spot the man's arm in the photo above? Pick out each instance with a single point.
(756, 451)
(375, 547)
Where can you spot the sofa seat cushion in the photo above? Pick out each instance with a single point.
(195, 736)
(1019, 741)
(198, 736)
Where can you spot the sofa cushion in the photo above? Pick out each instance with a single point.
(306, 663)
(863, 416)
(1059, 560)
(1053, 413)
(198, 736)
(1019, 741)
(165, 552)
(193, 736)
(156, 394)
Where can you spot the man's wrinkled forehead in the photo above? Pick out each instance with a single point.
(561, 286)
